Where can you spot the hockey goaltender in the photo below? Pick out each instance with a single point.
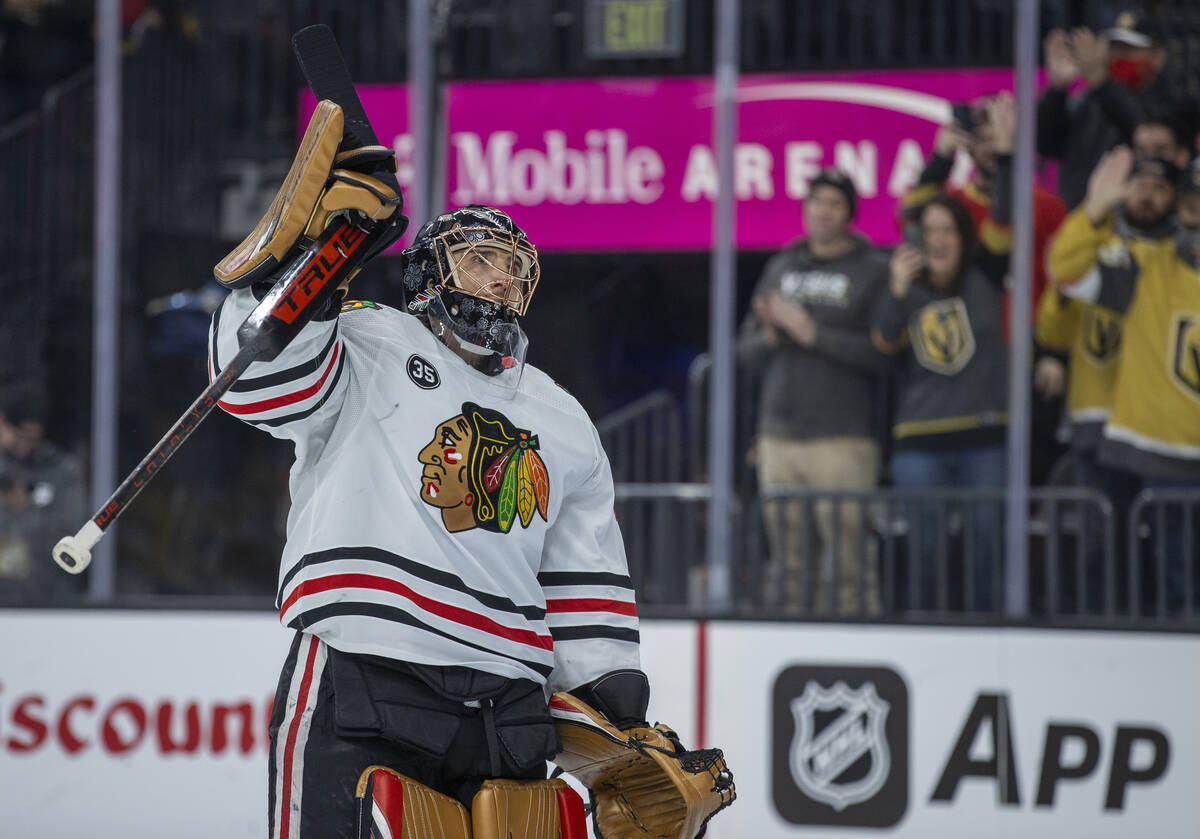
(453, 570)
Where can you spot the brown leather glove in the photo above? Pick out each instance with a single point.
(643, 782)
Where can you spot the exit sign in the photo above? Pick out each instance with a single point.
(634, 28)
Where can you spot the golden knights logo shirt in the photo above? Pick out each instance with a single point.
(439, 515)
(951, 382)
(1154, 426)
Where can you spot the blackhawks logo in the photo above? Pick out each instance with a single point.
(483, 471)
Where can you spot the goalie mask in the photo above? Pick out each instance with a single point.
(471, 274)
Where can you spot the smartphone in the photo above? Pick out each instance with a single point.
(964, 115)
(914, 236)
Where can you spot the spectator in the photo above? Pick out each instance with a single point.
(1125, 75)
(809, 338)
(1090, 337)
(987, 136)
(942, 312)
(41, 500)
(1162, 137)
(1092, 334)
(1153, 430)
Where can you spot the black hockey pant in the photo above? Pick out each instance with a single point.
(450, 728)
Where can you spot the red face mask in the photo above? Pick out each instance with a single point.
(1131, 72)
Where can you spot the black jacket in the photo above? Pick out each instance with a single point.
(1076, 131)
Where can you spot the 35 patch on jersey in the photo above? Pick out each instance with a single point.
(482, 471)
(354, 305)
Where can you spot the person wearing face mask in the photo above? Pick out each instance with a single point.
(1125, 76)
(1123, 250)
(942, 317)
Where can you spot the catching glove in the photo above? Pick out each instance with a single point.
(643, 783)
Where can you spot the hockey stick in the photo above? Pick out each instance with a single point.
(325, 71)
(305, 287)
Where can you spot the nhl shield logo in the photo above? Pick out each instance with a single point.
(839, 754)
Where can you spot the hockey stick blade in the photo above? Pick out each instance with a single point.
(325, 71)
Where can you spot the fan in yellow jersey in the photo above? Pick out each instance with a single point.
(1153, 429)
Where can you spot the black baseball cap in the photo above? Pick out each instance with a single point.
(838, 180)
(1156, 167)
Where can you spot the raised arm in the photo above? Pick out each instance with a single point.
(1087, 260)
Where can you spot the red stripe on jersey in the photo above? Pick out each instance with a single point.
(584, 604)
(285, 811)
(287, 399)
(443, 610)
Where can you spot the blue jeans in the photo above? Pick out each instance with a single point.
(974, 468)
(1171, 542)
(1120, 487)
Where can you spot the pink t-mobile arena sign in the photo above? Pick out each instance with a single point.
(629, 164)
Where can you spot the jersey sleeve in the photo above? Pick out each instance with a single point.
(591, 609)
(295, 396)
(1073, 252)
(1092, 263)
(1058, 319)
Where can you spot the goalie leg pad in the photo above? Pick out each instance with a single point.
(394, 806)
(277, 233)
(529, 809)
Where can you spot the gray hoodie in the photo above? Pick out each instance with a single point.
(826, 390)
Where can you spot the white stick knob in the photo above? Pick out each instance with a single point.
(74, 553)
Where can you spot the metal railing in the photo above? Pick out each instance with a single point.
(745, 416)
(908, 553)
(1162, 549)
(643, 440)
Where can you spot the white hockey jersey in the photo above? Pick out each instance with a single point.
(439, 516)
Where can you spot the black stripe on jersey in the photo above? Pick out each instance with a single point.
(584, 578)
(582, 633)
(416, 569)
(391, 613)
(289, 375)
(302, 414)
